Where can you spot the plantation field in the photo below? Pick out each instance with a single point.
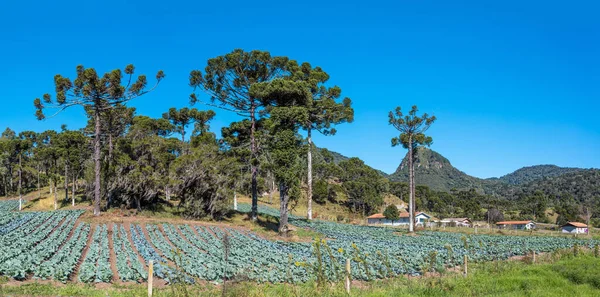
(59, 246)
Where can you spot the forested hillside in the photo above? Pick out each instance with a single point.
(532, 173)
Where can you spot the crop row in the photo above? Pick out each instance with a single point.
(96, 266)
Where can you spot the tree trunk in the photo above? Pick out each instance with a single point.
(38, 183)
(283, 209)
(73, 190)
(411, 198)
(66, 181)
(97, 163)
(253, 169)
(235, 206)
(309, 179)
(55, 194)
(20, 183)
(167, 193)
(271, 192)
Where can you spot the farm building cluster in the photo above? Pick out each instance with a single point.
(423, 219)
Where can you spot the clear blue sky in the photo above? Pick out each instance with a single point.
(513, 83)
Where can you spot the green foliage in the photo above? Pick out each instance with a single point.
(391, 213)
(363, 185)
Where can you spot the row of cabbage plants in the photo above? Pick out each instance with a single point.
(96, 266)
(129, 266)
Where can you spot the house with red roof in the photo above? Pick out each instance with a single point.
(575, 228)
(518, 225)
(420, 219)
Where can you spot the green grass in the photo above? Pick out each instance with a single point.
(569, 276)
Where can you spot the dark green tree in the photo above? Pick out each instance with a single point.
(391, 213)
(412, 134)
(287, 100)
(97, 94)
(183, 117)
(228, 80)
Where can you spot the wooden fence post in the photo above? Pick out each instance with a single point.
(150, 274)
(348, 274)
(532, 256)
(465, 272)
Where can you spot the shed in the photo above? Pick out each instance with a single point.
(458, 222)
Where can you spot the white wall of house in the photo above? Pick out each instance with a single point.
(574, 230)
(387, 222)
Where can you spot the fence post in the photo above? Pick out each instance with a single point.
(532, 256)
(465, 272)
(348, 276)
(150, 274)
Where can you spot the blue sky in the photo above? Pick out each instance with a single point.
(513, 83)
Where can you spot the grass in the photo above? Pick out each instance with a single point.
(556, 274)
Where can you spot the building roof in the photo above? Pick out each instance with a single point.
(514, 223)
(405, 214)
(376, 216)
(402, 215)
(576, 224)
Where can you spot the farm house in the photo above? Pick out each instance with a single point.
(456, 222)
(575, 228)
(420, 219)
(518, 225)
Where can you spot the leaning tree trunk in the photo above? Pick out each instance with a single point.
(283, 209)
(309, 179)
(97, 163)
(253, 168)
(411, 181)
(20, 183)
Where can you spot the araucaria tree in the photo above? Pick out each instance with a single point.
(288, 99)
(412, 134)
(323, 112)
(97, 94)
(228, 79)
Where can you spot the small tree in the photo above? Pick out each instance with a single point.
(412, 134)
(391, 213)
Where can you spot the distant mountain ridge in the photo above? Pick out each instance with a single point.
(532, 173)
(435, 171)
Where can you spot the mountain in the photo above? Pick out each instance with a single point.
(532, 173)
(436, 172)
(337, 158)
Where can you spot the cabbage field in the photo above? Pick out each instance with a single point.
(56, 245)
